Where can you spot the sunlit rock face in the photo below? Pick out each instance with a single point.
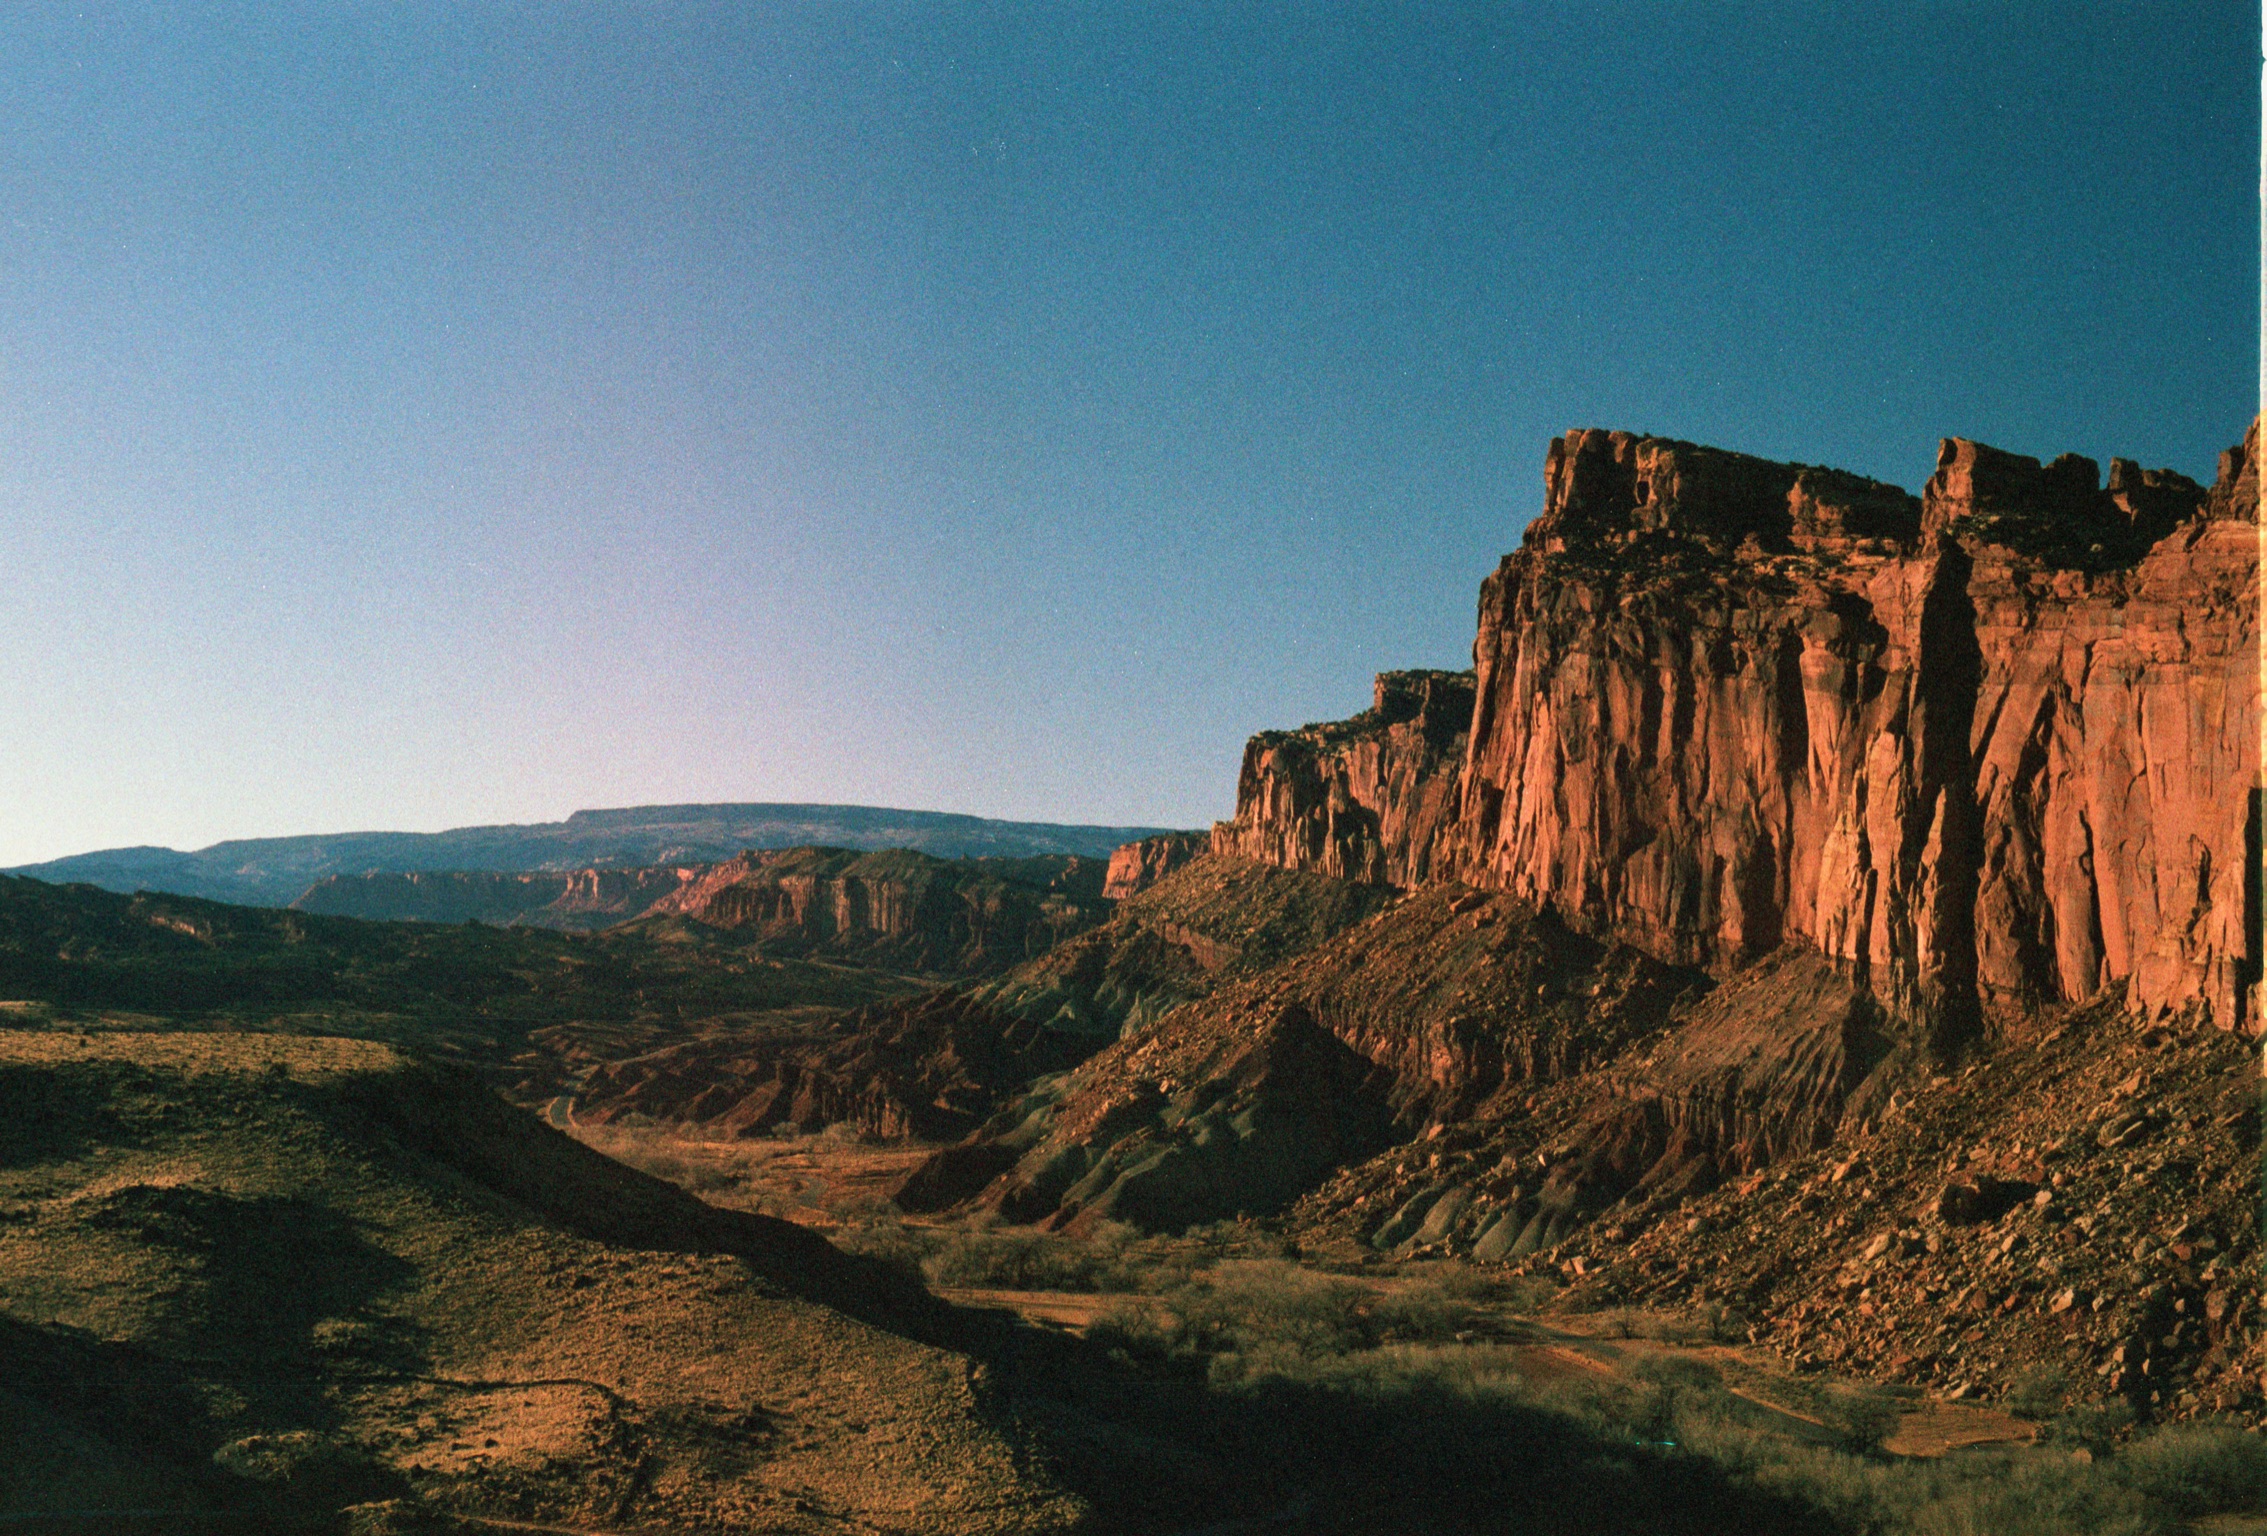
(1987, 747)
(1136, 866)
(1370, 799)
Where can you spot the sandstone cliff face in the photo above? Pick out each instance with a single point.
(1137, 866)
(575, 899)
(1990, 747)
(907, 910)
(1369, 799)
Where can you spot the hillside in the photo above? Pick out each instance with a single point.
(525, 1007)
(268, 1278)
(276, 871)
(1817, 907)
(934, 1067)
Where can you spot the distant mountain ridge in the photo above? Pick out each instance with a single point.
(277, 871)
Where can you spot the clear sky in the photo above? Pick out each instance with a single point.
(413, 416)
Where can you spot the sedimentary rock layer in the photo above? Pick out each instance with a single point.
(917, 913)
(1989, 747)
(1370, 799)
(1137, 866)
(571, 899)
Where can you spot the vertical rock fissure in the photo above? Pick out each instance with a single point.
(1950, 682)
(2254, 938)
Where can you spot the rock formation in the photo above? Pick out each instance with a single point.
(1366, 799)
(1988, 748)
(579, 899)
(963, 917)
(1139, 865)
(929, 1067)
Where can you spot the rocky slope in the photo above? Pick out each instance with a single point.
(1442, 1009)
(934, 1067)
(929, 1068)
(576, 900)
(2077, 1210)
(1211, 920)
(1976, 747)
(897, 908)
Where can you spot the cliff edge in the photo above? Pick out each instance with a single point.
(1988, 748)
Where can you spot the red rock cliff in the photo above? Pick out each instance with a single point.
(1136, 866)
(1370, 799)
(899, 908)
(1994, 746)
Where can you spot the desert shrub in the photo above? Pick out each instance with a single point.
(1253, 1316)
(2038, 1392)
(663, 1157)
(1135, 1329)
(2092, 1427)
(889, 1243)
(1301, 1368)
(1860, 1418)
(2197, 1469)
(2002, 1497)
(1031, 1261)
(1707, 1324)
(1665, 1390)
(1273, 1308)
(1425, 1311)
(1679, 1373)
(1523, 1293)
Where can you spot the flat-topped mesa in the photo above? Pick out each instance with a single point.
(1987, 750)
(1613, 489)
(1369, 799)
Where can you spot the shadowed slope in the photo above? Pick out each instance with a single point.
(276, 1275)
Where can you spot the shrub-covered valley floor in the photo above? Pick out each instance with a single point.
(254, 1276)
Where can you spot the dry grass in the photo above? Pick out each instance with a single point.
(268, 1278)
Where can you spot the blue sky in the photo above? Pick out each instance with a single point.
(416, 416)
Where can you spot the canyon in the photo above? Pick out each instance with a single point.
(1822, 912)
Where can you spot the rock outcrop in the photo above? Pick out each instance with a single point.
(1369, 799)
(1212, 920)
(1139, 865)
(928, 1068)
(579, 899)
(1448, 1007)
(905, 910)
(1985, 749)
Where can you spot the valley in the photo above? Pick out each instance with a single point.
(1774, 1047)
